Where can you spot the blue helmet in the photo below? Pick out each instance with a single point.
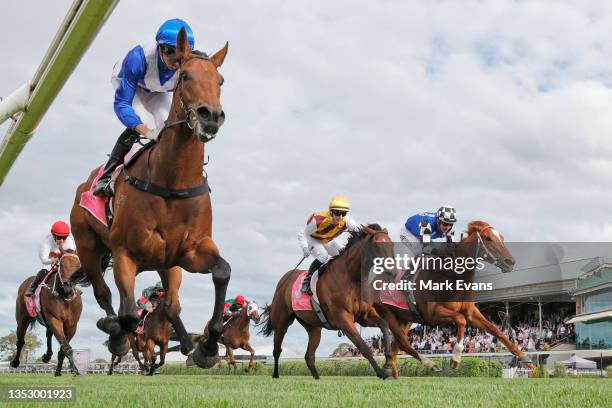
(168, 32)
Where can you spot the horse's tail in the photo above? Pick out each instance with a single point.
(267, 328)
(80, 278)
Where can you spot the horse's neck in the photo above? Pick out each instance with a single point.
(178, 159)
(243, 319)
(352, 259)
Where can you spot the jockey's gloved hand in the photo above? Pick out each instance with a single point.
(306, 252)
(153, 134)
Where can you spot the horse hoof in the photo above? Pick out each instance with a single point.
(436, 369)
(525, 360)
(204, 359)
(118, 346)
(14, 363)
(185, 350)
(109, 325)
(58, 374)
(46, 358)
(128, 323)
(455, 364)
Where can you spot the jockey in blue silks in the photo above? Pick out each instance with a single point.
(143, 82)
(423, 227)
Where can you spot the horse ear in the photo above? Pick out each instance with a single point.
(182, 44)
(219, 56)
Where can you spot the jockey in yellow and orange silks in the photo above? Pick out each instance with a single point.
(320, 237)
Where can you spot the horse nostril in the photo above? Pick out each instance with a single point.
(509, 262)
(204, 112)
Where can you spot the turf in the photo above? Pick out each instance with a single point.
(258, 391)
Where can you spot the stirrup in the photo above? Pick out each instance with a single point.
(306, 288)
(103, 188)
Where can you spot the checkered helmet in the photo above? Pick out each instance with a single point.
(447, 214)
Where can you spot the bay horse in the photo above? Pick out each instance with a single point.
(61, 308)
(162, 212)
(236, 334)
(339, 291)
(156, 332)
(458, 307)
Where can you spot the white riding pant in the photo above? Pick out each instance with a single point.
(153, 108)
(325, 251)
(412, 244)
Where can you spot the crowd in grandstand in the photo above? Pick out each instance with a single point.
(525, 333)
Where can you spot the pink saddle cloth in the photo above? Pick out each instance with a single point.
(97, 205)
(395, 297)
(33, 303)
(299, 300)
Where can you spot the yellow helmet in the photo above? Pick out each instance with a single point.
(340, 203)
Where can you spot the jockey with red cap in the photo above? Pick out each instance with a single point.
(50, 251)
(233, 306)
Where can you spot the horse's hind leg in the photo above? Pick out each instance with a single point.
(114, 361)
(231, 360)
(22, 328)
(384, 328)
(171, 279)
(279, 334)
(314, 339)
(47, 356)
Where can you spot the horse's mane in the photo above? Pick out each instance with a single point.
(476, 226)
(70, 251)
(356, 236)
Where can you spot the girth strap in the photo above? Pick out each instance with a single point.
(317, 309)
(168, 192)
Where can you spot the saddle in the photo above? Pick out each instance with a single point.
(102, 207)
(33, 305)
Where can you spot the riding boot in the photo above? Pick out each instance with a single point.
(306, 282)
(122, 147)
(35, 282)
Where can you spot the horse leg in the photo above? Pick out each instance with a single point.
(125, 278)
(400, 336)
(248, 348)
(279, 334)
(206, 355)
(47, 356)
(148, 356)
(57, 327)
(60, 362)
(345, 322)
(384, 328)
(171, 279)
(22, 328)
(231, 360)
(442, 312)
(477, 320)
(115, 360)
(314, 339)
(163, 349)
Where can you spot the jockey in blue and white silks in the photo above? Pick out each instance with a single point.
(426, 226)
(143, 83)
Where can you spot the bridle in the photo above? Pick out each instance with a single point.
(488, 254)
(58, 276)
(190, 113)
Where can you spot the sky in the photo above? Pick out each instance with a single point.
(499, 108)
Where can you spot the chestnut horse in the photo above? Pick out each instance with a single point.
(61, 309)
(236, 333)
(162, 212)
(156, 332)
(458, 307)
(339, 291)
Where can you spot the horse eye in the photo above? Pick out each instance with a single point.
(221, 80)
(488, 238)
(184, 76)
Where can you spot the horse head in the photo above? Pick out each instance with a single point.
(253, 311)
(489, 245)
(69, 263)
(198, 89)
